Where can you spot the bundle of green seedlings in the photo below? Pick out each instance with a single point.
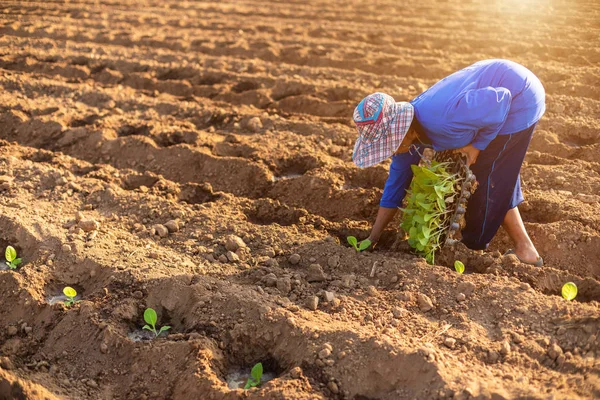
(436, 203)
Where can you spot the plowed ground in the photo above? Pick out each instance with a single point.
(234, 118)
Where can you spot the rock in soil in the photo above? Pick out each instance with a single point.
(315, 273)
(233, 243)
(312, 302)
(425, 303)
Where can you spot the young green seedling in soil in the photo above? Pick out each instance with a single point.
(70, 293)
(431, 188)
(11, 257)
(459, 266)
(255, 376)
(151, 318)
(363, 245)
(569, 291)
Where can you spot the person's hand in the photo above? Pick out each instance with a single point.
(471, 152)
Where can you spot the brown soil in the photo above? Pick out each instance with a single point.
(233, 118)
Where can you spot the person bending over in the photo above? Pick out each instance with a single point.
(488, 111)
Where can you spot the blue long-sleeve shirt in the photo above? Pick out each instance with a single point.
(471, 106)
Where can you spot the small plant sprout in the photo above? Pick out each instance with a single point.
(255, 376)
(459, 266)
(569, 291)
(363, 245)
(11, 257)
(151, 318)
(70, 293)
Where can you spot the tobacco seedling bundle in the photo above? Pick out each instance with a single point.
(363, 245)
(255, 376)
(11, 257)
(150, 317)
(431, 188)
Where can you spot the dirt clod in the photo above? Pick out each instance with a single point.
(315, 273)
(88, 225)
(294, 259)
(312, 302)
(424, 302)
(233, 243)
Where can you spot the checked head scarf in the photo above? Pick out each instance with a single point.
(382, 124)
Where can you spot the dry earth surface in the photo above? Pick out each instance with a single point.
(195, 157)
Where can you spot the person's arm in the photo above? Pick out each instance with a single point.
(394, 191)
(384, 217)
(484, 109)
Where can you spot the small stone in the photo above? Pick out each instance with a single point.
(232, 257)
(233, 243)
(12, 330)
(296, 372)
(254, 124)
(525, 286)
(315, 273)
(324, 353)
(425, 303)
(348, 280)
(333, 261)
(333, 387)
(92, 383)
(223, 258)
(554, 351)
(284, 285)
(28, 330)
(405, 296)
(66, 248)
(294, 259)
(517, 339)
(6, 363)
(329, 296)
(449, 342)
(461, 297)
(88, 225)
(79, 216)
(399, 312)
(137, 294)
(270, 279)
(493, 356)
(505, 348)
(466, 287)
(103, 348)
(272, 263)
(312, 302)
(172, 226)
(372, 290)
(161, 230)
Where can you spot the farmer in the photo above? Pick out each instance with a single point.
(488, 111)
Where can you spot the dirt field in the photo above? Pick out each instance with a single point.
(139, 136)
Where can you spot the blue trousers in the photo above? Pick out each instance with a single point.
(497, 170)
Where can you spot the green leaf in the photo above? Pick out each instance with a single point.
(569, 291)
(147, 327)
(459, 266)
(69, 292)
(250, 384)
(10, 254)
(412, 232)
(16, 262)
(163, 329)
(150, 317)
(364, 245)
(352, 240)
(257, 372)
